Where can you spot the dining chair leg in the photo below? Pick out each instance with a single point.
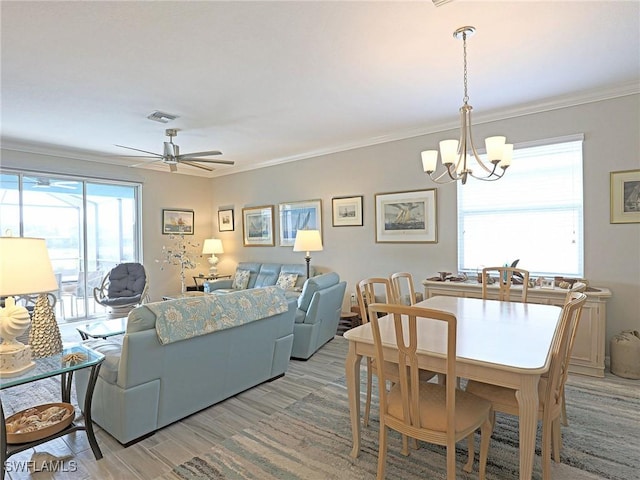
(468, 467)
(485, 439)
(556, 439)
(451, 462)
(563, 415)
(367, 406)
(382, 451)
(546, 451)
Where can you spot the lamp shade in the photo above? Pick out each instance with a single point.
(307, 241)
(25, 267)
(212, 245)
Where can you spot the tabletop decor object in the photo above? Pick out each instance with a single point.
(25, 269)
(308, 241)
(212, 246)
(180, 254)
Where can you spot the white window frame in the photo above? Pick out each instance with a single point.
(510, 199)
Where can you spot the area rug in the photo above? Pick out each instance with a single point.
(311, 440)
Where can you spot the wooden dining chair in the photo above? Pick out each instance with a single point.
(402, 287)
(550, 388)
(434, 413)
(576, 287)
(378, 290)
(505, 276)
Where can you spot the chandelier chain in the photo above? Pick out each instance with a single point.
(465, 99)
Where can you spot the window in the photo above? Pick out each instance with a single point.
(89, 225)
(533, 214)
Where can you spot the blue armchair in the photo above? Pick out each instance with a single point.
(318, 314)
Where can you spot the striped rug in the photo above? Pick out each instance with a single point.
(311, 440)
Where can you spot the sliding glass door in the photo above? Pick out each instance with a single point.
(90, 226)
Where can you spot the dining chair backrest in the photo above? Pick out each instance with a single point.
(561, 352)
(405, 322)
(402, 287)
(373, 290)
(576, 287)
(505, 276)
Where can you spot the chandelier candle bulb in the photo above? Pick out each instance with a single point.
(507, 155)
(495, 148)
(429, 160)
(449, 151)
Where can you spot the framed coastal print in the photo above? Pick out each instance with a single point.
(347, 211)
(296, 216)
(257, 226)
(225, 221)
(406, 217)
(177, 221)
(625, 196)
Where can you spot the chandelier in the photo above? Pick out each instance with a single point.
(456, 155)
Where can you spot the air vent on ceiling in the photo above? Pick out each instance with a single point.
(161, 117)
(438, 3)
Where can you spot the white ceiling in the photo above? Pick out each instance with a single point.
(270, 82)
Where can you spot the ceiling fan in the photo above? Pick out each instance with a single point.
(172, 157)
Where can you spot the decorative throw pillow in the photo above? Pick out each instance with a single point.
(241, 280)
(287, 281)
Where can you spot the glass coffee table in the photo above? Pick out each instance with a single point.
(48, 367)
(103, 329)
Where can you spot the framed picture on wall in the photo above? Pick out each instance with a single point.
(177, 221)
(225, 221)
(296, 216)
(347, 211)
(625, 196)
(258, 226)
(406, 217)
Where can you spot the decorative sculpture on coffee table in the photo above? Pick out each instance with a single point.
(44, 336)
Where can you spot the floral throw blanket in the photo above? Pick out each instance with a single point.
(189, 317)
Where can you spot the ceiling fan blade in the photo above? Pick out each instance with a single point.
(146, 163)
(138, 150)
(191, 164)
(207, 160)
(200, 154)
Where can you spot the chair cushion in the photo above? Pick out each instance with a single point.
(241, 279)
(433, 407)
(314, 285)
(126, 280)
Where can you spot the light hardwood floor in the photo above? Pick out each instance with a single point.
(177, 443)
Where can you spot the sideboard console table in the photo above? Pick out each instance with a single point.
(587, 357)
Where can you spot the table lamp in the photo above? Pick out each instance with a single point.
(308, 241)
(25, 268)
(212, 246)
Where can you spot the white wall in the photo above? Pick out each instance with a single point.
(612, 252)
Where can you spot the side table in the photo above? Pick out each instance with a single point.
(347, 321)
(104, 329)
(48, 367)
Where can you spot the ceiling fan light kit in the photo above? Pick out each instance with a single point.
(171, 155)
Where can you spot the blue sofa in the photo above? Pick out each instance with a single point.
(157, 373)
(263, 275)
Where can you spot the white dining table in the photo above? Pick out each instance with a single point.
(501, 343)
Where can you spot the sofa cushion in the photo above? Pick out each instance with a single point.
(265, 279)
(287, 281)
(241, 279)
(300, 315)
(300, 270)
(315, 284)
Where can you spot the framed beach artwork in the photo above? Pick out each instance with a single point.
(225, 221)
(625, 196)
(257, 226)
(347, 211)
(406, 217)
(296, 216)
(177, 221)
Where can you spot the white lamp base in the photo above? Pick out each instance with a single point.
(213, 269)
(15, 360)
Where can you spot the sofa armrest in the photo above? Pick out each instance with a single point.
(211, 285)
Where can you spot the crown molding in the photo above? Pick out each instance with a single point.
(578, 98)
